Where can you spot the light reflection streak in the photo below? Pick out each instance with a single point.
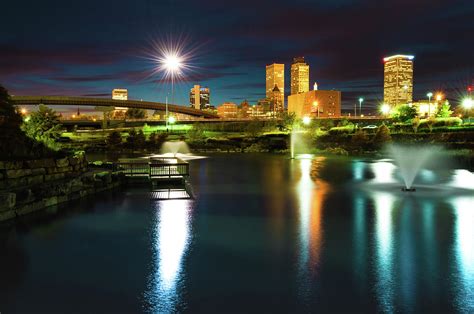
(406, 256)
(358, 168)
(311, 195)
(463, 178)
(170, 242)
(384, 247)
(464, 252)
(430, 252)
(360, 241)
(383, 172)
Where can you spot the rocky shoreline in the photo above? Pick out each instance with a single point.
(32, 185)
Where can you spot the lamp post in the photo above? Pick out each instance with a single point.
(316, 105)
(172, 64)
(360, 106)
(430, 94)
(468, 104)
(171, 121)
(385, 109)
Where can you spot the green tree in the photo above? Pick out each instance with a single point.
(196, 133)
(44, 126)
(155, 139)
(253, 128)
(114, 139)
(403, 113)
(136, 139)
(415, 123)
(382, 136)
(287, 121)
(445, 110)
(360, 139)
(430, 122)
(135, 113)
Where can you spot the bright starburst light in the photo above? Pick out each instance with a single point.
(172, 58)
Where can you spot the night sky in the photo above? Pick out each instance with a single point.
(87, 48)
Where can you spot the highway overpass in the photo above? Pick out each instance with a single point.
(105, 102)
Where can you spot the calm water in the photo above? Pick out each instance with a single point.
(264, 234)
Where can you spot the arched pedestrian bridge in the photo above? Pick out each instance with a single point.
(104, 102)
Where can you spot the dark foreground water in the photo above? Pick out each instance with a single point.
(264, 234)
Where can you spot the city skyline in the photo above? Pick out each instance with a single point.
(90, 57)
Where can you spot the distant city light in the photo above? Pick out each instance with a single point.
(306, 120)
(23, 111)
(439, 97)
(398, 56)
(385, 109)
(468, 103)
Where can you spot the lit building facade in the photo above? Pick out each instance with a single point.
(398, 80)
(299, 76)
(276, 100)
(199, 97)
(275, 75)
(316, 103)
(120, 94)
(227, 110)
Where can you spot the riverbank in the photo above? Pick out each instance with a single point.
(32, 185)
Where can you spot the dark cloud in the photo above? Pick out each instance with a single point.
(81, 48)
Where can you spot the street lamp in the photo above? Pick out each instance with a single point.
(171, 120)
(430, 94)
(385, 109)
(316, 104)
(360, 105)
(468, 104)
(306, 120)
(172, 64)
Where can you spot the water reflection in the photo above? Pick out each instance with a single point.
(384, 250)
(170, 240)
(311, 195)
(464, 252)
(383, 172)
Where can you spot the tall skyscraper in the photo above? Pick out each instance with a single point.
(398, 80)
(199, 97)
(276, 100)
(275, 76)
(299, 76)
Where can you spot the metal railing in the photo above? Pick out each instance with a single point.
(161, 167)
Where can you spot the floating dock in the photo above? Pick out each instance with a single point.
(167, 176)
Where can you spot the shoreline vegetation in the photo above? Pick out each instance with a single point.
(42, 165)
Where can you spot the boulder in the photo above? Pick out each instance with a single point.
(63, 162)
(29, 208)
(53, 176)
(7, 215)
(7, 201)
(32, 180)
(38, 171)
(10, 165)
(41, 163)
(18, 173)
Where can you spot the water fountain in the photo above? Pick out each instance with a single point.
(298, 145)
(175, 148)
(410, 159)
